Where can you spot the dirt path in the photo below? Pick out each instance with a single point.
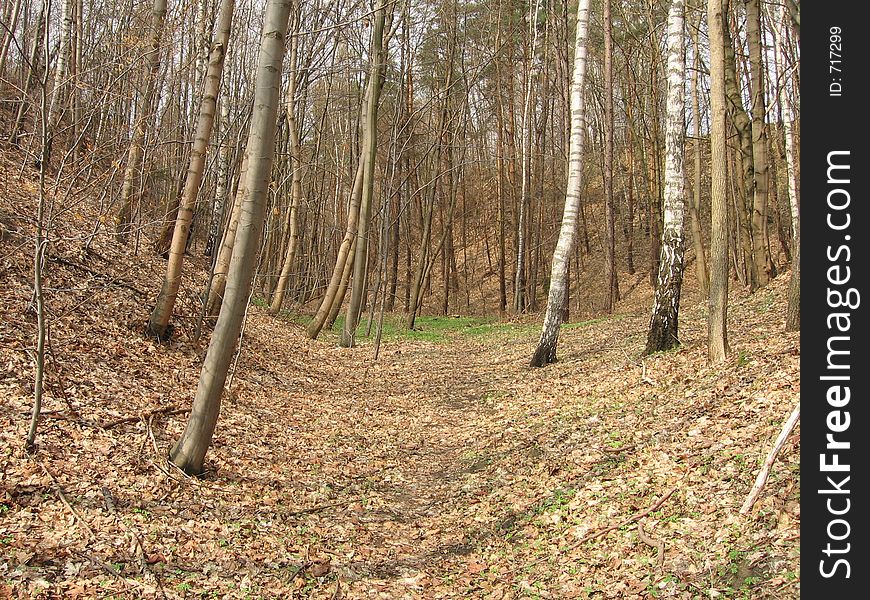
(445, 470)
(410, 438)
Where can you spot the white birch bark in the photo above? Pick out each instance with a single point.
(663, 328)
(546, 350)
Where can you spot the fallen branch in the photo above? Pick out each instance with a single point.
(167, 410)
(627, 521)
(62, 495)
(109, 278)
(652, 542)
(787, 428)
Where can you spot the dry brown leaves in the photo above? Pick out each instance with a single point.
(441, 471)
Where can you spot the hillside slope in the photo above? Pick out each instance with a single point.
(443, 470)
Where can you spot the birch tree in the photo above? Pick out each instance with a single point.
(546, 350)
(189, 452)
(663, 327)
(793, 312)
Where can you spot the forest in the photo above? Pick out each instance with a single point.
(400, 299)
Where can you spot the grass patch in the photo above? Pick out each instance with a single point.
(427, 328)
(437, 329)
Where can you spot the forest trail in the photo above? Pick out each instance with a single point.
(445, 469)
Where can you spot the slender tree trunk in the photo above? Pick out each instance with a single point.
(32, 73)
(6, 37)
(717, 331)
(341, 271)
(663, 329)
(40, 246)
(61, 67)
(341, 291)
(296, 181)
(189, 452)
(526, 159)
(370, 137)
(223, 168)
(144, 116)
(742, 123)
(793, 313)
(545, 352)
(225, 252)
(611, 283)
(162, 312)
(760, 255)
(442, 167)
(695, 201)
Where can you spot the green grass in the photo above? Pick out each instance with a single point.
(433, 329)
(438, 329)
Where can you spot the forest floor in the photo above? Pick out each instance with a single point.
(447, 468)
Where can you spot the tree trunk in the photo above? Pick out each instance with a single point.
(341, 270)
(717, 331)
(225, 252)
(760, 254)
(223, 168)
(793, 314)
(32, 73)
(296, 180)
(162, 312)
(7, 36)
(189, 452)
(526, 159)
(143, 123)
(611, 283)
(695, 201)
(370, 137)
(663, 328)
(545, 352)
(742, 123)
(61, 67)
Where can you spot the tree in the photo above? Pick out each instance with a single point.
(296, 175)
(162, 312)
(760, 163)
(611, 283)
(793, 312)
(370, 146)
(717, 331)
(663, 328)
(144, 118)
(526, 160)
(189, 452)
(695, 199)
(545, 353)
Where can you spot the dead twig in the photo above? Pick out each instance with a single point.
(657, 544)
(167, 410)
(58, 489)
(787, 428)
(627, 521)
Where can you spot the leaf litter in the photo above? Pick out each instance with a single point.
(443, 470)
